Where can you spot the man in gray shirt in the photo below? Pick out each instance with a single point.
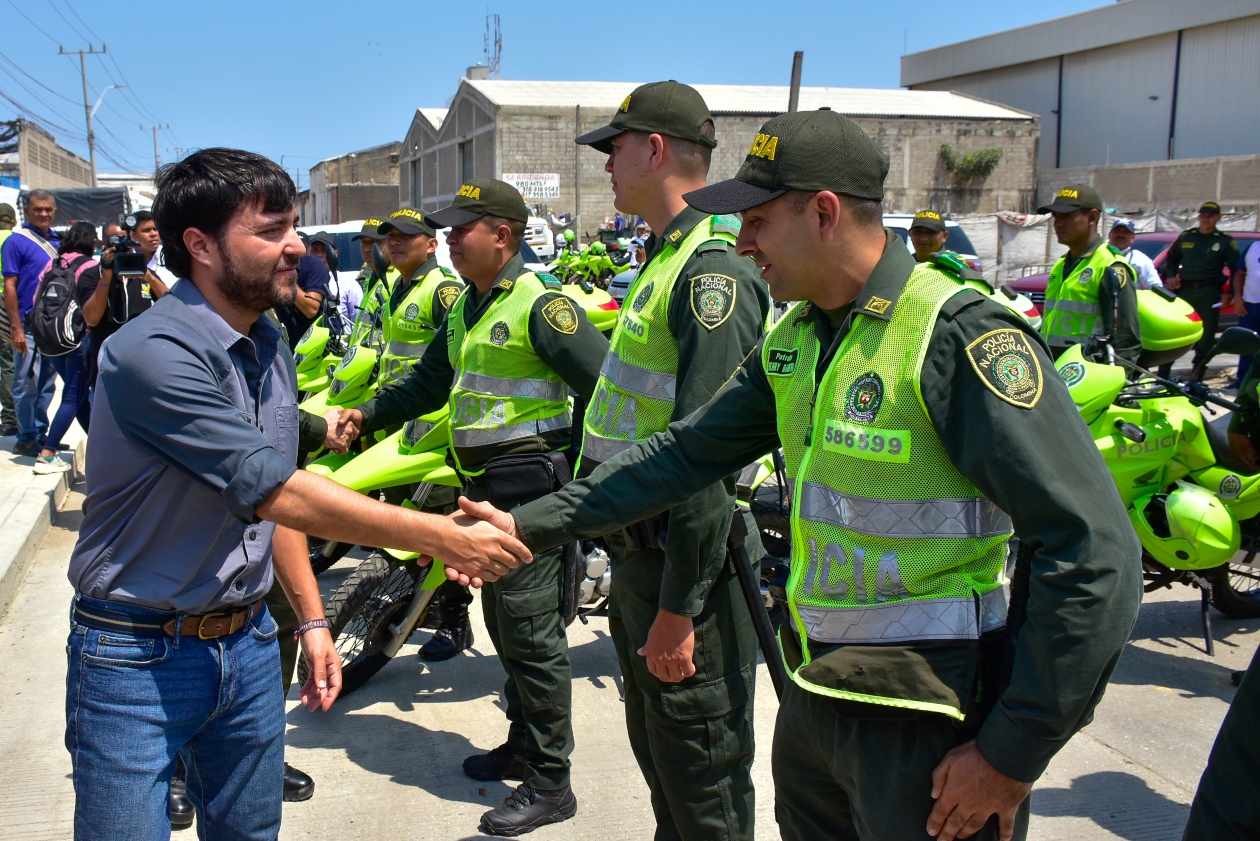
(191, 469)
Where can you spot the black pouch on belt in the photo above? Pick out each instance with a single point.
(523, 477)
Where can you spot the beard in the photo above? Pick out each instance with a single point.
(256, 288)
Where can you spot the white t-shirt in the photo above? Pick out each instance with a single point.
(1251, 262)
(158, 266)
(1147, 276)
(348, 294)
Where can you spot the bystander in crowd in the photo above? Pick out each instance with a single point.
(8, 414)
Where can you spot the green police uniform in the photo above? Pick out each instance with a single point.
(504, 369)
(1081, 287)
(894, 667)
(695, 310)
(1201, 259)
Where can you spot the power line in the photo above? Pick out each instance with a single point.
(37, 97)
(32, 23)
(39, 118)
(68, 23)
(19, 69)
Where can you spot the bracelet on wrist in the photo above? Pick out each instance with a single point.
(309, 626)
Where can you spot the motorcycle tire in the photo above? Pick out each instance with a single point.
(359, 614)
(1236, 589)
(325, 553)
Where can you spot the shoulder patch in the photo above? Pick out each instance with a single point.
(447, 293)
(712, 298)
(713, 246)
(449, 273)
(1124, 271)
(1007, 364)
(561, 315)
(549, 280)
(725, 224)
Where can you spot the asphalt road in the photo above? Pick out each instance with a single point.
(386, 759)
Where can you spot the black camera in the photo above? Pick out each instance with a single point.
(128, 261)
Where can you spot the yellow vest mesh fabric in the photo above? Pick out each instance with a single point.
(499, 379)
(890, 543)
(630, 404)
(375, 299)
(1072, 311)
(410, 328)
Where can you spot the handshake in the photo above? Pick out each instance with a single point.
(344, 425)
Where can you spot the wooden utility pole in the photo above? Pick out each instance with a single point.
(794, 93)
(87, 105)
(577, 166)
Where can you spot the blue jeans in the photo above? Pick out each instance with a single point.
(133, 703)
(74, 395)
(32, 393)
(1252, 322)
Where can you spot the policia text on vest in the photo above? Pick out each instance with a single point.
(504, 361)
(897, 639)
(685, 640)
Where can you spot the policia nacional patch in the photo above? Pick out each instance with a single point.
(712, 299)
(447, 295)
(561, 316)
(1008, 366)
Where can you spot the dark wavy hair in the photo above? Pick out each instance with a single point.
(205, 189)
(80, 239)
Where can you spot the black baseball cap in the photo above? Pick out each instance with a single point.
(806, 150)
(370, 231)
(669, 108)
(1210, 207)
(481, 197)
(409, 221)
(329, 241)
(1073, 197)
(929, 219)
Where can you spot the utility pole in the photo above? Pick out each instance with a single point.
(794, 92)
(157, 160)
(87, 107)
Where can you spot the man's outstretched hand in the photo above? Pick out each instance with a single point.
(967, 790)
(348, 425)
(334, 441)
(473, 514)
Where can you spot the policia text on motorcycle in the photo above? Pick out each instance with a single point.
(684, 637)
(921, 424)
(1091, 297)
(505, 358)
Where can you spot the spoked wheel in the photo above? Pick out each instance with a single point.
(372, 598)
(1236, 588)
(325, 553)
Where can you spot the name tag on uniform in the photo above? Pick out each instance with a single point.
(861, 441)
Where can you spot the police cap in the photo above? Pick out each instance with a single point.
(669, 108)
(482, 197)
(8, 214)
(929, 219)
(370, 231)
(1210, 207)
(409, 221)
(1073, 197)
(807, 150)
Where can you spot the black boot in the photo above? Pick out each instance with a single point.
(297, 785)
(502, 763)
(527, 808)
(178, 806)
(448, 640)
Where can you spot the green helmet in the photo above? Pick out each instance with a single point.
(598, 248)
(569, 236)
(1188, 529)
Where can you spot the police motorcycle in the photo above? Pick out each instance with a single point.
(1193, 505)
(388, 596)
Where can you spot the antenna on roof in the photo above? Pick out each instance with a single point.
(493, 45)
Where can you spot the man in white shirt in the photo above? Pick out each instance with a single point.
(1245, 281)
(1121, 236)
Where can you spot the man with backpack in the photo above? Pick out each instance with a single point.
(8, 415)
(24, 256)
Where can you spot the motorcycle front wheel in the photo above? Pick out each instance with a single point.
(325, 553)
(372, 598)
(1236, 588)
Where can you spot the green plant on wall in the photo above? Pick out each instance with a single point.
(974, 166)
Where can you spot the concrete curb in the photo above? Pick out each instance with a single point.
(27, 512)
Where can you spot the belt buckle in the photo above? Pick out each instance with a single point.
(201, 626)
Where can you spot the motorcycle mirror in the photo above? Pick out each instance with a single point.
(1239, 341)
(379, 264)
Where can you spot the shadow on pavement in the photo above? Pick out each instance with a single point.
(1118, 802)
(1190, 676)
(1173, 622)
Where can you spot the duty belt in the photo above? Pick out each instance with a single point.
(205, 626)
(1203, 283)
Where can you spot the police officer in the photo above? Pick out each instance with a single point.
(511, 348)
(927, 234)
(914, 416)
(1195, 267)
(684, 638)
(1091, 297)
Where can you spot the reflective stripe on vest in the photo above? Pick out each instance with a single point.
(1072, 312)
(921, 518)
(411, 327)
(407, 349)
(890, 542)
(634, 397)
(470, 437)
(1087, 307)
(506, 387)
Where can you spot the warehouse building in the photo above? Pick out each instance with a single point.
(353, 186)
(31, 158)
(1153, 101)
(523, 131)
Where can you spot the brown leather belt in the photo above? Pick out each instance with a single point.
(206, 626)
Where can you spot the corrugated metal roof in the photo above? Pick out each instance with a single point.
(752, 99)
(1116, 23)
(435, 116)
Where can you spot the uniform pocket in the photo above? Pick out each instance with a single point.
(103, 649)
(709, 699)
(522, 604)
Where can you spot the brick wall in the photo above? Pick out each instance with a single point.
(1179, 185)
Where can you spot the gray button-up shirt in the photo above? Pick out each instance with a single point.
(193, 426)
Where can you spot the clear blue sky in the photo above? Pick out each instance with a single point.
(315, 79)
